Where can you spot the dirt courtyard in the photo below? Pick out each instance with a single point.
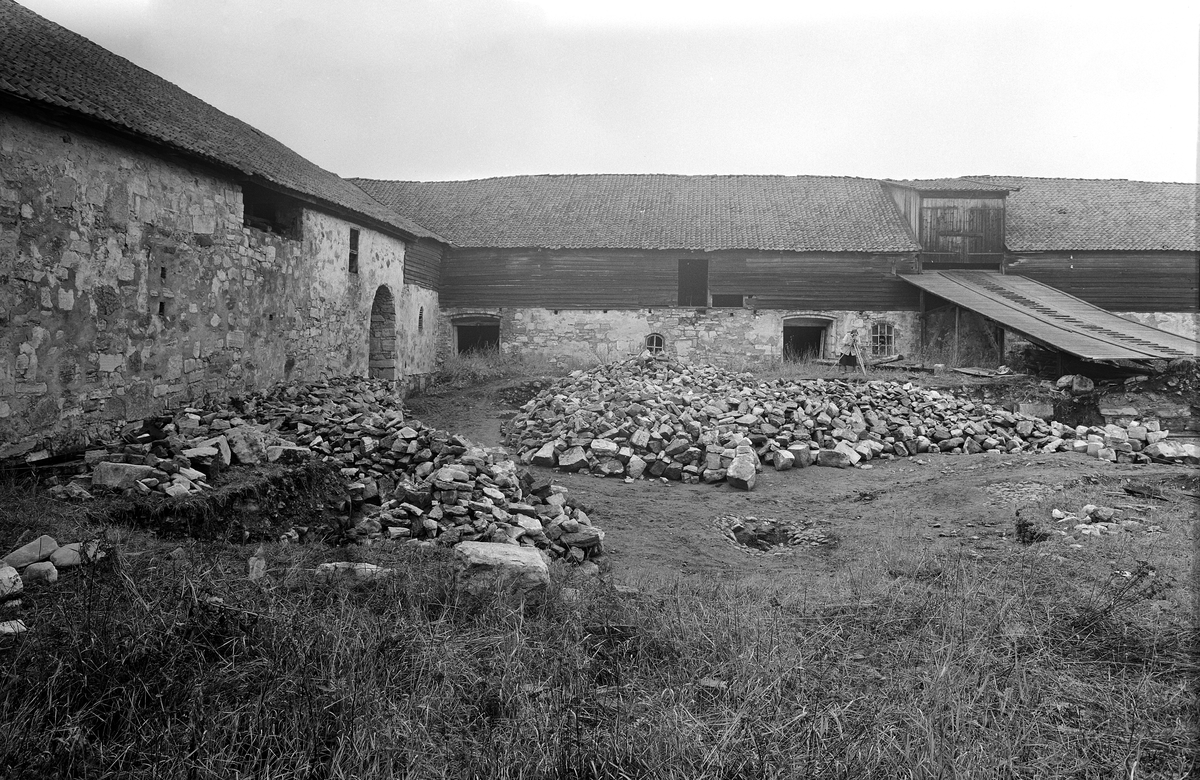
(934, 502)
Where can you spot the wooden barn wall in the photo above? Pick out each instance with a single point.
(640, 279)
(423, 263)
(1119, 281)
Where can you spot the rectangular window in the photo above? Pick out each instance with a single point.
(883, 340)
(724, 301)
(353, 250)
(693, 282)
(271, 212)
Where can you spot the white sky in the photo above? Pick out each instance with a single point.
(447, 89)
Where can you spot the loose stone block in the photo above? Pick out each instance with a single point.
(40, 549)
(119, 476)
(482, 567)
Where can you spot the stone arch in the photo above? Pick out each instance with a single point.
(381, 358)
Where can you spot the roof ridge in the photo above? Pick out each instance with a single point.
(1074, 178)
(696, 176)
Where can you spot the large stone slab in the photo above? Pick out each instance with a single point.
(483, 567)
(119, 476)
(40, 549)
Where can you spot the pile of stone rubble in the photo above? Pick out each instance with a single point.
(406, 480)
(38, 563)
(655, 416)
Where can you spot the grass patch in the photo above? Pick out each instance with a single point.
(906, 664)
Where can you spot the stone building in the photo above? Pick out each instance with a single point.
(155, 251)
(783, 266)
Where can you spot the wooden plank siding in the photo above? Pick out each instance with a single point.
(962, 230)
(423, 263)
(640, 279)
(1119, 281)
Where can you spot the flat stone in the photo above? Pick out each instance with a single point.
(279, 453)
(483, 567)
(67, 556)
(119, 476)
(574, 459)
(12, 627)
(585, 538)
(247, 445)
(40, 549)
(352, 570)
(546, 455)
(834, 458)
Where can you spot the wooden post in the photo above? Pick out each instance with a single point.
(922, 324)
(957, 313)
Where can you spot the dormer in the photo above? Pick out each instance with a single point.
(958, 222)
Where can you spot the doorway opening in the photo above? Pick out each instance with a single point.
(804, 338)
(477, 334)
(381, 356)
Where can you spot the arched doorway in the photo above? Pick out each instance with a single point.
(805, 338)
(381, 359)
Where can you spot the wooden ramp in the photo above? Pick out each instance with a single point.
(1049, 316)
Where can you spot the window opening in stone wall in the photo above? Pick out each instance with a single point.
(162, 272)
(353, 266)
(162, 308)
(381, 356)
(421, 318)
(727, 301)
(477, 334)
(271, 212)
(883, 339)
(655, 343)
(693, 282)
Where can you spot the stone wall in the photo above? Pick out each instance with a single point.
(1180, 323)
(128, 283)
(711, 333)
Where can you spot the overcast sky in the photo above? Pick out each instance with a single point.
(450, 89)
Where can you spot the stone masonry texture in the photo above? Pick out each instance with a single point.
(128, 283)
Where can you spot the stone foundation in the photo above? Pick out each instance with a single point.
(710, 334)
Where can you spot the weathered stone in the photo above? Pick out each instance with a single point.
(119, 476)
(10, 582)
(574, 459)
(783, 460)
(67, 556)
(41, 573)
(742, 472)
(12, 627)
(835, 458)
(546, 455)
(352, 570)
(247, 445)
(287, 455)
(483, 567)
(40, 549)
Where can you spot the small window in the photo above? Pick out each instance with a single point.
(353, 266)
(883, 339)
(655, 343)
(723, 301)
(271, 212)
(421, 318)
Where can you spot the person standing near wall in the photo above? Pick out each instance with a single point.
(849, 350)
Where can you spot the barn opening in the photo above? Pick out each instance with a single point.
(693, 282)
(804, 338)
(477, 334)
(381, 356)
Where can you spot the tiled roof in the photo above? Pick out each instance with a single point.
(946, 185)
(1097, 214)
(652, 211)
(48, 64)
